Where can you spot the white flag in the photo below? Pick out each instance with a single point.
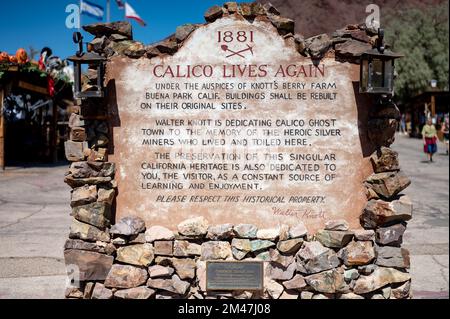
(131, 14)
(91, 9)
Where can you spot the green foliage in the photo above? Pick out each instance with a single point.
(422, 36)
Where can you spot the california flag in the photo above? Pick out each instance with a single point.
(131, 14)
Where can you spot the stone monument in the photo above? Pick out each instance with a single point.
(235, 149)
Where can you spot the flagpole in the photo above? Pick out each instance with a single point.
(108, 11)
(79, 27)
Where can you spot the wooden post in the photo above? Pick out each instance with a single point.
(433, 105)
(2, 132)
(54, 133)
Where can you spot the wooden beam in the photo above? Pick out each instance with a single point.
(433, 105)
(32, 87)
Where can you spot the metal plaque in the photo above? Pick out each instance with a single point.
(234, 275)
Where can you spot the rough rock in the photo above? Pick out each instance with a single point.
(246, 231)
(296, 283)
(184, 31)
(106, 196)
(95, 214)
(351, 274)
(381, 132)
(318, 46)
(117, 37)
(350, 295)
(393, 257)
(183, 248)
(128, 226)
(280, 259)
(135, 51)
(277, 272)
(313, 258)
(100, 292)
(232, 7)
(258, 244)
(274, 289)
(184, 267)
(306, 295)
(386, 111)
(135, 293)
(330, 281)
(390, 235)
(388, 184)
(98, 247)
(334, 239)
(138, 255)
(358, 253)
(263, 256)
(201, 274)
(174, 285)
(379, 278)
(402, 292)
(125, 276)
(215, 250)
(163, 248)
(240, 248)
(82, 170)
(289, 295)
(213, 13)
(75, 150)
(290, 246)
(167, 46)
(100, 29)
(83, 195)
(367, 269)
(364, 234)
(91, 265)
(268, 234)
(78, 134)
(158, 233)
(74, 293)
(75, 121)
(246, 10)
(87, 232)
(385, 160)
(193, 227)
(158, 271)
(298, 231)
(284, 232)
(284, 25)
(120, 241)
(220, 232)
(379, 213)
(98, 44)
(270, 9)
(351, 49)
(338, 225)
(257, 9)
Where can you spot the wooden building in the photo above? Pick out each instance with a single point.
(32, 114)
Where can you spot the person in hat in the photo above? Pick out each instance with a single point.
(429, 135)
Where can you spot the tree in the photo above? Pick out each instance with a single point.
(422, 36)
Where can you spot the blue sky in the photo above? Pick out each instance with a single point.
(41, 23)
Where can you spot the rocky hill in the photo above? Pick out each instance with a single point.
(314, 17)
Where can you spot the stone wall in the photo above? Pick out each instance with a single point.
(123, 259)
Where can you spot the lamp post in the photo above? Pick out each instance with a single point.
(91, 59)
(377, 70)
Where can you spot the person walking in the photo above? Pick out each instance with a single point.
(429, 135)
(445, 131)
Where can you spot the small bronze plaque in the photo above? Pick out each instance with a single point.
(234, 275)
